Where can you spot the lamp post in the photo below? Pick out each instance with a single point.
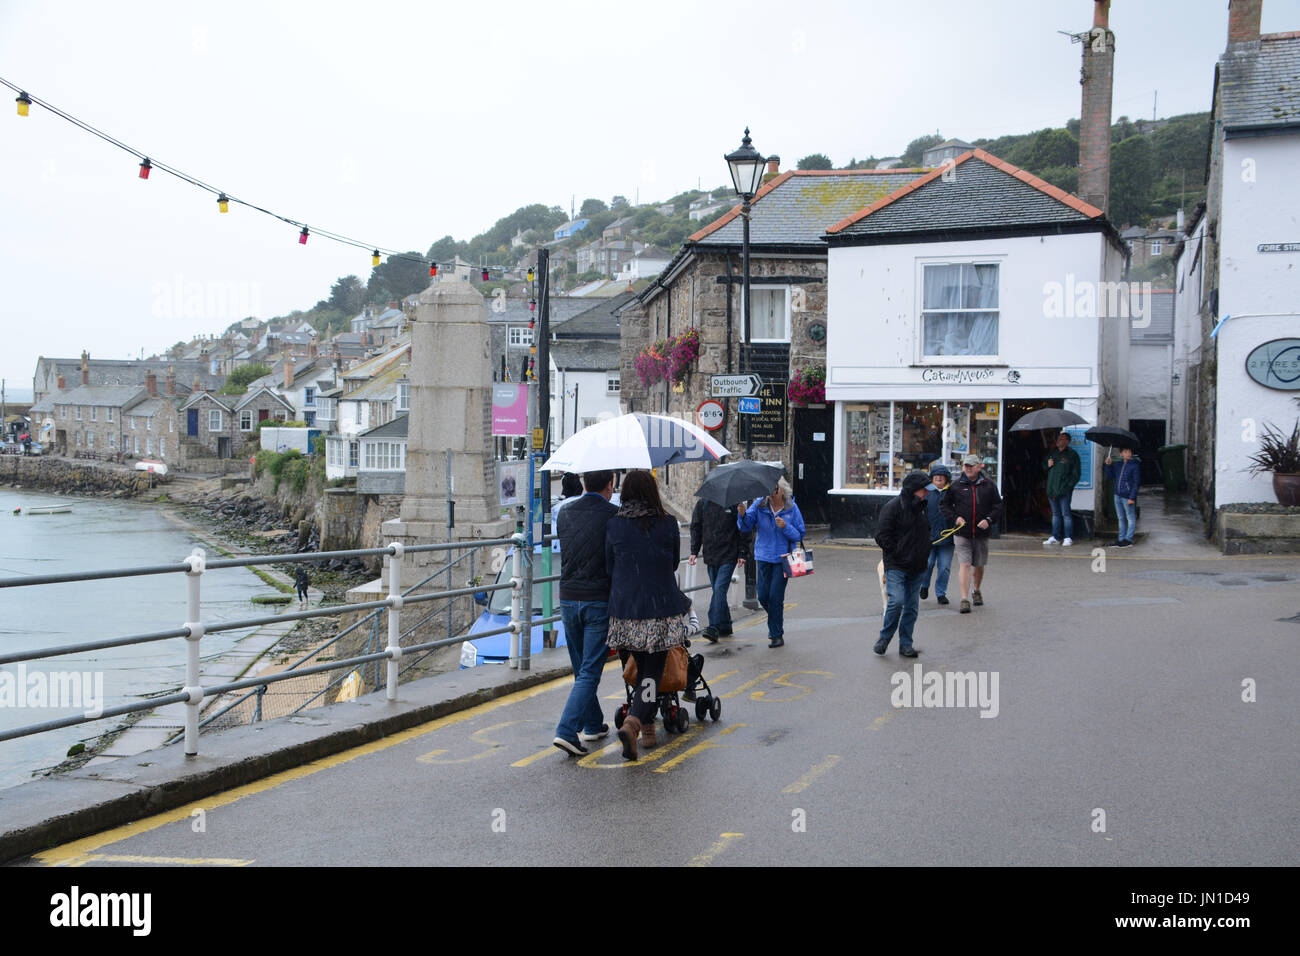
(746, 165)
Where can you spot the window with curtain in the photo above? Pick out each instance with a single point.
(769, 315)
(960, 309)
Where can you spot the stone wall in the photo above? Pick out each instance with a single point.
(87, 479)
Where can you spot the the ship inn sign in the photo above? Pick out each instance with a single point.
(1276, 364)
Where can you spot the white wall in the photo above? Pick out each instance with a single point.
(594, 401)
(1188, 281)
(1262, 291)
(1148, 383)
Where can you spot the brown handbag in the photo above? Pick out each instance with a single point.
(675, 666)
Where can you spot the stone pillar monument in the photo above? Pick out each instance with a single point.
(450, 417)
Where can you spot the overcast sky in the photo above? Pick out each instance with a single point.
(398, 123)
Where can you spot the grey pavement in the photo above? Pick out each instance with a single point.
(1144, 714)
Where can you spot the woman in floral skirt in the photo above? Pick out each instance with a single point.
(648, 613)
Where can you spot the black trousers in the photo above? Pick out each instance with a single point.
(649, 666)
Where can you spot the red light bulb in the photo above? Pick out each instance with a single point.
(145, 167)
(302, 236)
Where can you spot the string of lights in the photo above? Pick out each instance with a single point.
(148, 164)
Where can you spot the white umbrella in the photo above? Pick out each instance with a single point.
(635, 441)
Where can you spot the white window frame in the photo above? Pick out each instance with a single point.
(94, 413)
(162, 447)
(137, 445)
(785, 290)
(148, 423)
(246, 414)
(922, 357)
(112, 440)
(309, 397)
(63, 412)
(612, 383)
(1157, 247)
(78, 407)
(354, 454)
(108, 415)
(90, 438)
(403, 396)
(148, 445)
(133, 418)
(171, 425)
(218, 420)
(523, 334)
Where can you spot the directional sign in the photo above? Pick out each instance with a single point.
(751, 406)
(734, 386)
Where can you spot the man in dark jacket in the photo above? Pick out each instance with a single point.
(974, 506)
(903, 533)
(716, 538)
(1063, 473)
(584, 608)
(941, 552)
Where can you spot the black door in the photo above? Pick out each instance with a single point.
(1151, 433)
(814, 445)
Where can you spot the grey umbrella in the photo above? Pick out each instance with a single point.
(740, 481)
(1047, 418)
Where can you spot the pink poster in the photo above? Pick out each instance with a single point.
(510, 410)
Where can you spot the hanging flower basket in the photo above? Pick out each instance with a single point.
(668, 359)
(807, 386)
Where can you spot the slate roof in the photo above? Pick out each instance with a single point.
(563, 308)
(132, 372)
(380, 386)
(982, 193)
(152, 406)
(198, 397)
(586, 356)
(795, 208)
(598, 321)
(113, 396)
(1260, 88)
(46, 404)
(394, 429)
(252, 393)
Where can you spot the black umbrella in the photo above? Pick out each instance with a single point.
(740, 481)
(1112, 436)
(1047, 418)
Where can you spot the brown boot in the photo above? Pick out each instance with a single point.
(628, 733)
(648, 738)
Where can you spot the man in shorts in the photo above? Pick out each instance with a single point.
(974, 506)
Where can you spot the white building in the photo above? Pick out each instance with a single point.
(1238, 273)
(958, 304)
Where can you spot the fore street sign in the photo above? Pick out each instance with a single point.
(734, 386)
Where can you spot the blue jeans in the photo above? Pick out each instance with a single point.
(1127, 515)
(941, 563)
(771, 595)
(586, 625)
(720, 580)
(1061, 516)
(903, 590)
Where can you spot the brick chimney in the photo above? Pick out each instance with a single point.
(1243, 20)
(63, 383)
(1097, 78)
(151, 383)
(288, 373)
(773, 165)
(197, 386)
(312, 349)
(85, 367)
(171, 380)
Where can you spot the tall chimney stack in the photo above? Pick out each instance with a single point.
(1097, 77)
(151, 383)
(171, 380)
(1243, 21)
(288, 373)
(85, 367)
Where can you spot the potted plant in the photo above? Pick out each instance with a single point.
(808, 386)
(1280, 454)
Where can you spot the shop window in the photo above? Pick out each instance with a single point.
(867, 446)
(960, 309)
(918, 437)
(885, 440)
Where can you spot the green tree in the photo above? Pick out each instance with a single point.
(815, 161)
(397, 277)
(1052, 147)
(619, 204)
(237, 381)
(347, 295)
(1131, 178)
(591, 207)
(912, 155)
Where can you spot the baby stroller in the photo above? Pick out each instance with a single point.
(671, 708)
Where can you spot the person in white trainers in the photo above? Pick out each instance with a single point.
(1063, 471)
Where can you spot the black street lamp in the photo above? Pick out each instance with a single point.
(746, 165)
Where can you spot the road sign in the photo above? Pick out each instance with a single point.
(751, 406)
(710, 414)
(734, 386)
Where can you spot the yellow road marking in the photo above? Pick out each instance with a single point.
(70, 852)
(750, 683)
(700, 748)
(492, 745)
(533, 758)
(705, 858)
(645, 756)
(783, 681)
(803, 782)
(159, 860)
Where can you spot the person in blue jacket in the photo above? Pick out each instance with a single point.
(1127, 475)
(779, 528)
(940, 562)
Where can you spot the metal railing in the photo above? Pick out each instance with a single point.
(194, 567)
